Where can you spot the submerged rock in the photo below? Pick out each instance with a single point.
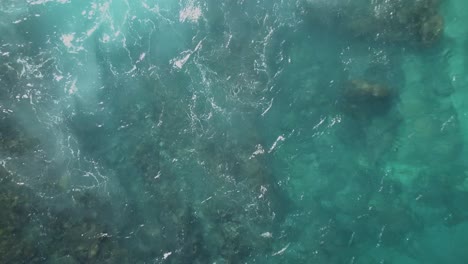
(431, 29)
(363, 98)
(359, 90)
(418, 22)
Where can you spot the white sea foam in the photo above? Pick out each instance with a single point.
(190, 13)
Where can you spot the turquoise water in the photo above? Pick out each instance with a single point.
(222, 131)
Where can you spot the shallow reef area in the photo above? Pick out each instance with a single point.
(303, 131)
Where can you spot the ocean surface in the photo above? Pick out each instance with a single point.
(234, 131)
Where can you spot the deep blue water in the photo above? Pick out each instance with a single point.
(222, 131)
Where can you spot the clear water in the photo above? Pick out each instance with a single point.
(223, 131)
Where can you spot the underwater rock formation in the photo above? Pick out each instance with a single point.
(13, 139)
(413, 22)
(76, 231)
(363, 97)
(364, 90)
